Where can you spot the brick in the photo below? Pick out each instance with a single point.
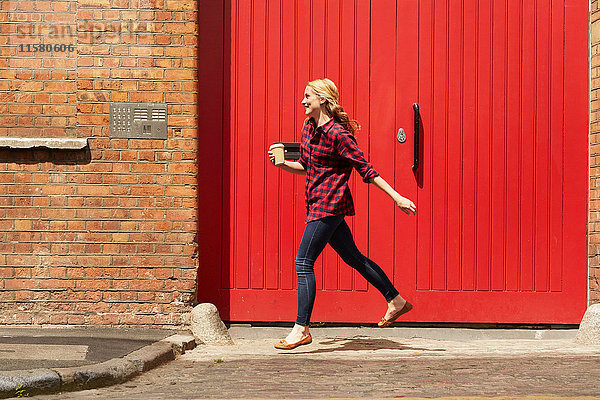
(150, 284)
(181, 191)
(182, 98)
(181, 5)
(25, 109)
(60, 17)
(12, 284)
(58, 109)
(180, 27)
(22, 224)
(149, 97)
(93, 284)
(149, 74)
(180, 74)
(94, 3)
(57, 272)
(76, 319)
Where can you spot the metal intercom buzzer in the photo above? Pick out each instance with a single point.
(138, 120)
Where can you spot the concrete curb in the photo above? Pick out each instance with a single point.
(32, 382)
(111, 372)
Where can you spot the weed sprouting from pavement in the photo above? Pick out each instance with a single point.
(21, 392)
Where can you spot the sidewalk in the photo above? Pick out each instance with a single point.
(45, 360)
(373, 363)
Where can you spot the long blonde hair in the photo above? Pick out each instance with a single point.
(326, 89)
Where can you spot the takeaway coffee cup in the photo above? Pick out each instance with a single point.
(278, 151)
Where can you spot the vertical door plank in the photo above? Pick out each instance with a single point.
(258, 143)
(498, 154)
(241, 141)
(274, 95)
(527, 190)
(332, 44)
(331, 264)
(439, 145)
(290, 125)
(557, 132)
(407, 93)
(513, 147)
(426, 96)
(361, 78)
(542, 139)
(347, 82)
(542, 147)
(304, 73)
(317, 70)
(455, 139)
(382, 122)
(575, 163)
(469, 143)
(483, 163)
(317, 38)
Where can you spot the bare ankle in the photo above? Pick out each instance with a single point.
(301, 329)
(397, 302)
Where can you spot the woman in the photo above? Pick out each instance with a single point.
(328, 153)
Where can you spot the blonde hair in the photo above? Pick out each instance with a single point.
(326, 89)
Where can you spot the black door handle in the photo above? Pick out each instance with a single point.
(417, 118)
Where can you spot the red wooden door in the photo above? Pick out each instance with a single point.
(272, 49)
(501, 190)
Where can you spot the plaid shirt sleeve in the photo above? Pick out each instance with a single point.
(303, 160)
(348, 148)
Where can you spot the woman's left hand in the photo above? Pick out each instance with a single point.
(405, 205)
(271, 157)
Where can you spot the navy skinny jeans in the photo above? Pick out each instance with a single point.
(335, 231)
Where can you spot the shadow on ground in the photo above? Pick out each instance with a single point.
(362, 343)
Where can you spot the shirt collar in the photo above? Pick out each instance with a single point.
(323, 128)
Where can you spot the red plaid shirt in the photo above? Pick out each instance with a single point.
(328, 154)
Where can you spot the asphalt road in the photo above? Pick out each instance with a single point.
(29, 348)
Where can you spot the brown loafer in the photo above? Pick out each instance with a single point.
(283, 345)
(387, 322)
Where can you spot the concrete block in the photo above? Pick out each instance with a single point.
(94, 376)
(207, 326)
(589, 329)
(151, 356)
(32, 382)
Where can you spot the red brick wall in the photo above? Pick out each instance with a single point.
(37, 91)
(594, 201)
(105, 235)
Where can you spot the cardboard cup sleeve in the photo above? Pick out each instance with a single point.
(278, 150)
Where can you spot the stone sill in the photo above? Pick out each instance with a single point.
(51, 143)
